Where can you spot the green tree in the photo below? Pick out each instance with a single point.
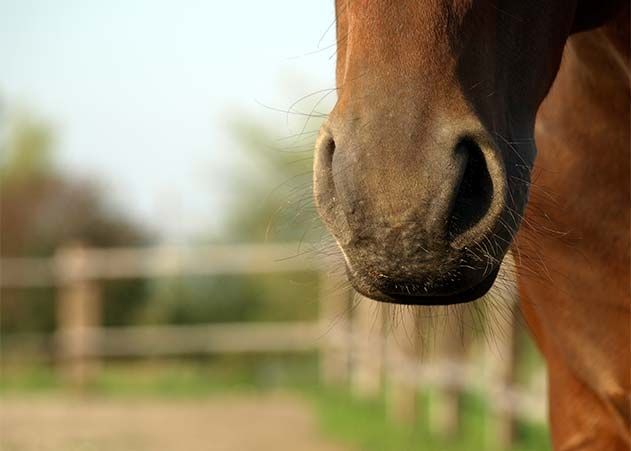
(42, 209)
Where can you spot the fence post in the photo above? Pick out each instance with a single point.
(404, 353)
(335, 347)
(369, 348)
(502, 360)
(503, 376)
(78, 313)
(451, 339)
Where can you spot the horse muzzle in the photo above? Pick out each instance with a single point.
(418, 222)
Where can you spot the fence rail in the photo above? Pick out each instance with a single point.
(359, 343)
(76, 262)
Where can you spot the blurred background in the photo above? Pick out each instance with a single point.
(165, 282)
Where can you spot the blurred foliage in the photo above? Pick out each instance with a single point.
(272, 202)
(233, 298)
(43, 209)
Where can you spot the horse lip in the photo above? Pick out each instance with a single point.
(468, 295)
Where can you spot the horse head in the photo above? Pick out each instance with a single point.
(422, 170)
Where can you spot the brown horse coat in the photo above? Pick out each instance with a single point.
(580, 316)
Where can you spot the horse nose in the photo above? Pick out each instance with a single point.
(454, 201)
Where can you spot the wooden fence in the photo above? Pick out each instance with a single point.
(374, 349)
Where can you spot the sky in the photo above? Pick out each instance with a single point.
(141, 93)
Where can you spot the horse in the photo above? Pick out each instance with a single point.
(467, 129)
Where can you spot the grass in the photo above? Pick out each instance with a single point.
(363, 424)
(172, 378)
(366, 423)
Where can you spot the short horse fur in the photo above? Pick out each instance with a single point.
(467, 128)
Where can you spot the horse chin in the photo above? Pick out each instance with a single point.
(469, 294)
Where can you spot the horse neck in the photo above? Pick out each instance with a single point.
(597, 88)
(583, 136)
(601, 56)
(590, 98)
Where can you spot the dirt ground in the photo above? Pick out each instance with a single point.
(276, 422)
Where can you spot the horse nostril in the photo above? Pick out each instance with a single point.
(324, 185)
(326, 148)
(474, 193)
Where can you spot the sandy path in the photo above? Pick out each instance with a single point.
(224, 423)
